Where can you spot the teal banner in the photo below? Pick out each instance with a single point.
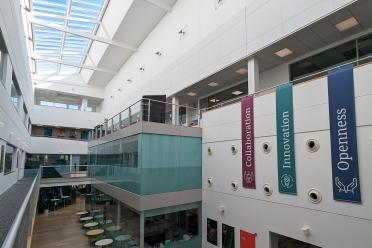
(285, 140)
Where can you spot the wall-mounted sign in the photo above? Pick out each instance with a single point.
(248, 170)
(228, 236)
(212, 231)
(247, 240)
(285, 140)
(345, 171)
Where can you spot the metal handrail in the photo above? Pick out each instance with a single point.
(294, 82)
(12, 234)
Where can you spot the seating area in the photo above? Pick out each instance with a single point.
(102, 232)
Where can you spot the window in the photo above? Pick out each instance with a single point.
(84, 135)
(73, 107)
(9, 158)
(15, 94)
(340, 54)
(3, 52)
(48, 131)
(2, 153)
(25, 115)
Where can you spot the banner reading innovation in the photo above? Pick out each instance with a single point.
(248, 170)
(345, 171)
(285, 140)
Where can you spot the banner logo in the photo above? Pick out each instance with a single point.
(285, 140)
(248, 162)
(345, 169)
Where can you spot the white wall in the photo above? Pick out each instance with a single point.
(214, 39)
(13, 130)
(43, 145)
(332, 223)
(65, 118)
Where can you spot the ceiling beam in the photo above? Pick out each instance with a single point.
(63, 62)
(82, 34)
(161, 5)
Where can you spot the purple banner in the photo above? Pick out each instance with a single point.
(248, 171)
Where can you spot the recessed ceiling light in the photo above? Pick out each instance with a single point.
(347, 24)
(237, 92)
(191, 94)
(213, 84)
(242, 71)
(284, 52)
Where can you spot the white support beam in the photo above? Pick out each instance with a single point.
(63, 62)
(161, 5)
(82, 34)
(69, 18)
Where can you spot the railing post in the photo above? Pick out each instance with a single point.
(120, 120)
(148, 111)
(130, 116)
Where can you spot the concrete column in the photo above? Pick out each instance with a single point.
(189, 113)
(253, 76)
(118, 215)
(84, 104)
(175, 110)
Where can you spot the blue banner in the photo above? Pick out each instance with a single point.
(345, 171)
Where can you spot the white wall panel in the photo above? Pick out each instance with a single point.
(42, 145)
(285, 214)
(65, 117)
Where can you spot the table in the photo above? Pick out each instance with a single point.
(113, 228)
(99, 216)
(88, 218)
(95, 232)
(54, 200)
(81, 213)
(104, 242)
(90, 225)
(125, 237)
(105, 222)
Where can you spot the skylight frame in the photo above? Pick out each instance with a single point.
(79, 15)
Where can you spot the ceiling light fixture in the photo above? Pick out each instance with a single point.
(158, 53)
(242, 71)
(347, 24)
(237, 92)
(129, 80)
(119, 89)
(142, 68)
(213, 84)
(284, 52)
(191, 94)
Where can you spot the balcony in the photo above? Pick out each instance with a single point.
(150, 111)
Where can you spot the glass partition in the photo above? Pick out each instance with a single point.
(148, 164)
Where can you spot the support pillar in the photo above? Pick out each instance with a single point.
(253, 76)
(84, 104)
(175, 110)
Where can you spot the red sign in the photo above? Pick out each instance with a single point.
(248, 172)
(247, 240)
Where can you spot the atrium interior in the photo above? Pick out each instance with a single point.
(185, 123)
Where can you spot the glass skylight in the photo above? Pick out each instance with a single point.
(54, 45)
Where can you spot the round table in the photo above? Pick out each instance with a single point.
(90, 225)
(105, 222)
(113, 228)
(95, 232)
(103, 242)
(99, 216)
(125, 237)
(88, 218)
(81, 213)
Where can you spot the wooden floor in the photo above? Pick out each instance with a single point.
(60, 228)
